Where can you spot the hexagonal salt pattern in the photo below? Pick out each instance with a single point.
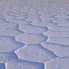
(21, 64)
(57, 63)
(35, 53)
(34, 34)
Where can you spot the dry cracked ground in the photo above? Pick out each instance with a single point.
(34, 34)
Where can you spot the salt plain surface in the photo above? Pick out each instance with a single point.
(34, 34)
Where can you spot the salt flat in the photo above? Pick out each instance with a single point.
(34, 34)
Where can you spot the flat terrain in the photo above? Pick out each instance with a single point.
(34, 34)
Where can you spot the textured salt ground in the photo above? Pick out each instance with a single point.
(9, 44)
(31, 38)
(59, 40)
(40, 54)
(57, 63)
(7, 56)
(10, 32)
(25, 22)
(29, 28)
(56, 33)
(21, 64)
(51, 26)
(58, 49)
